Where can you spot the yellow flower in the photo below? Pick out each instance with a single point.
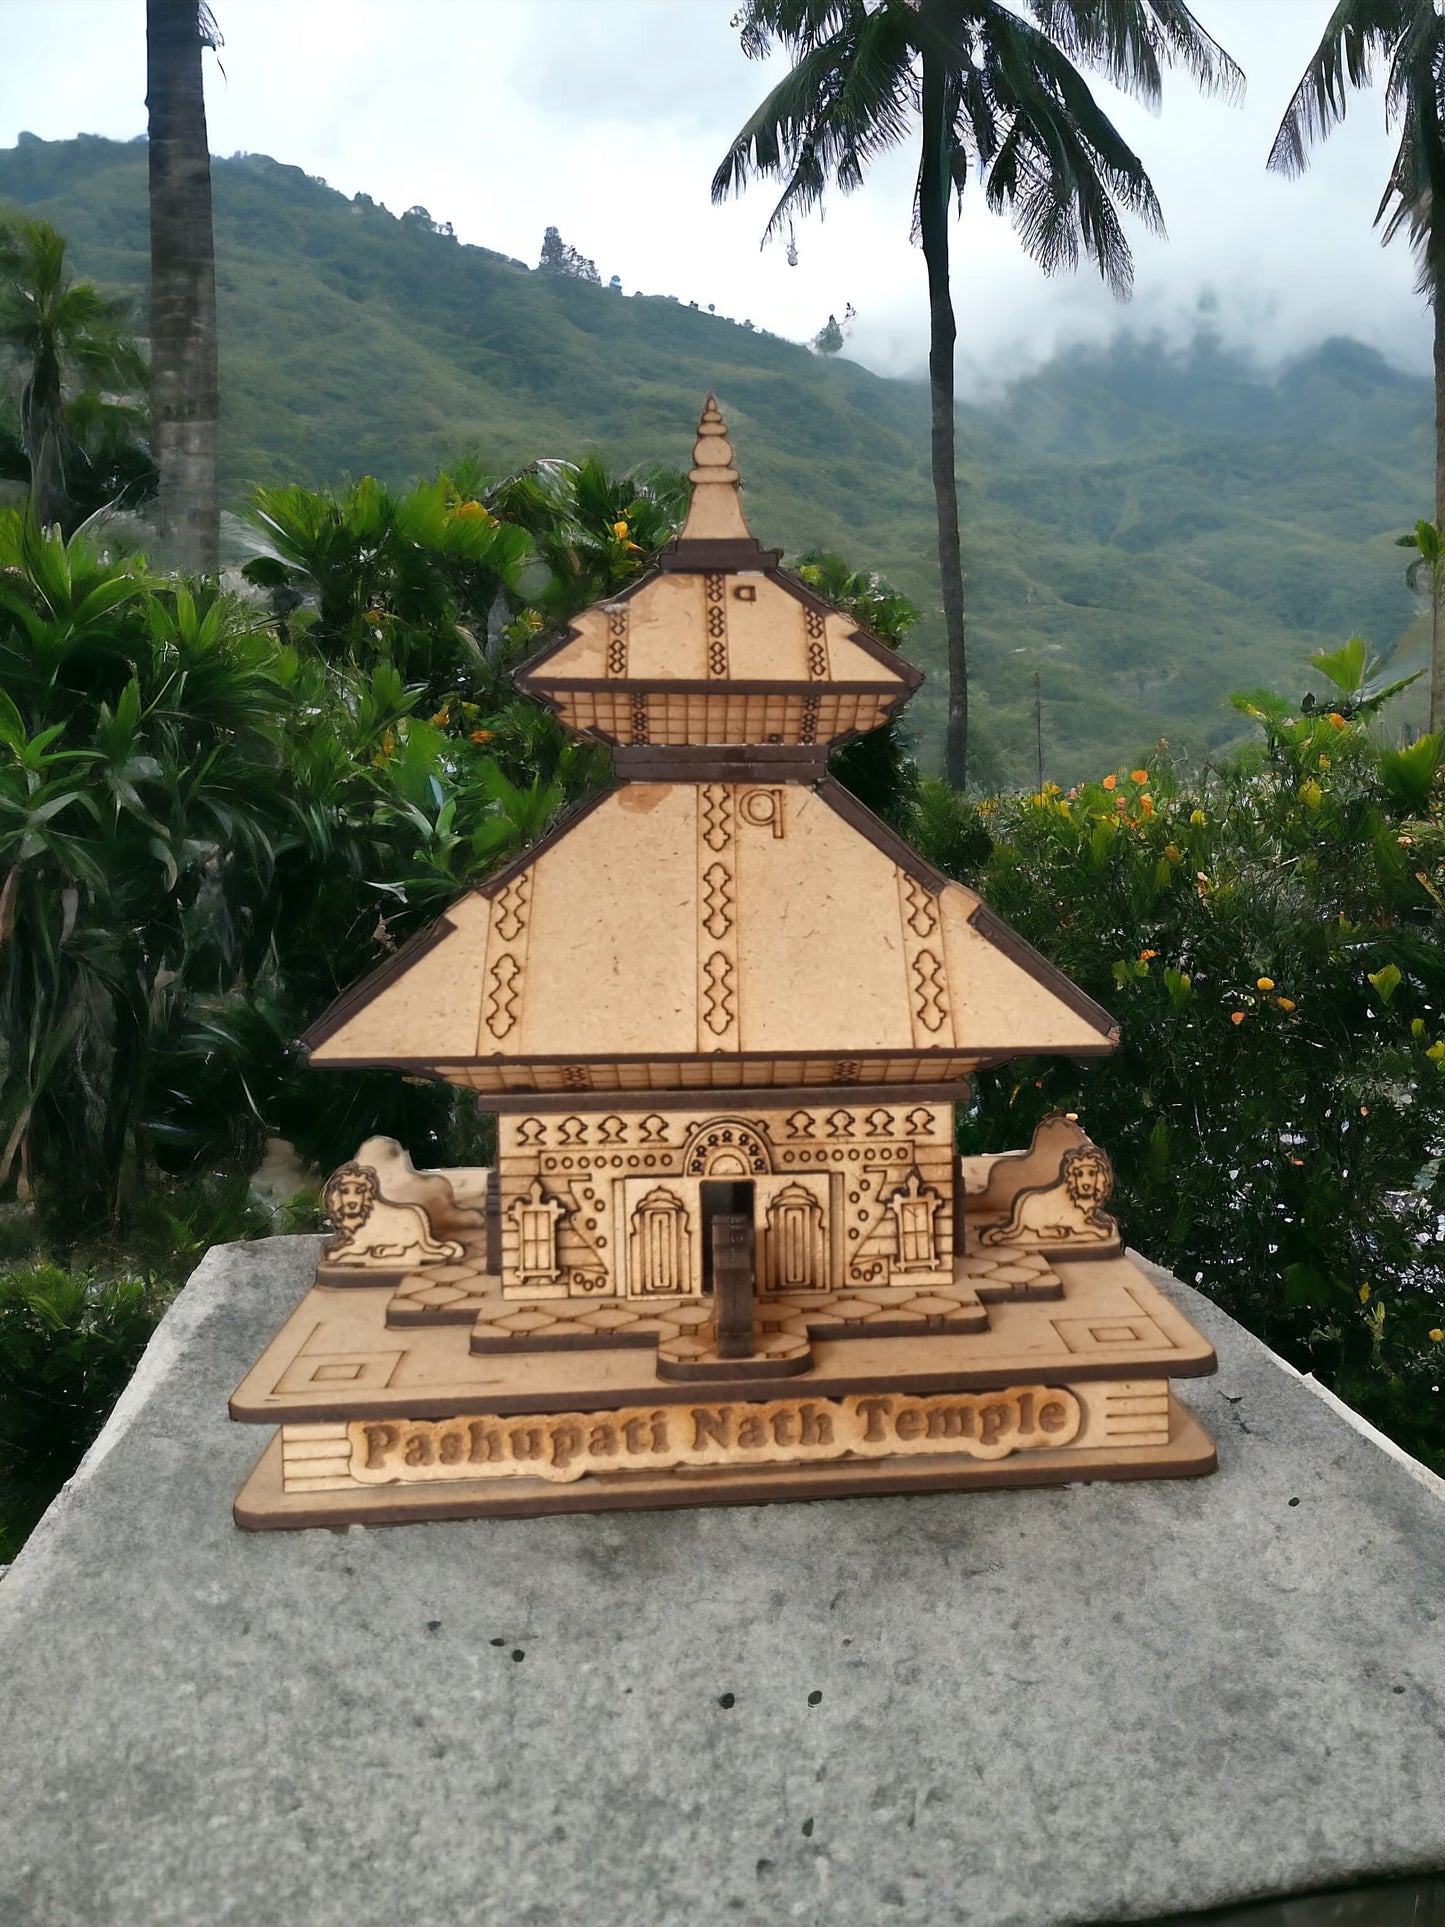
(1364, 1294)
(1197, 819)
(1139, 776)
(1111, 782)
(471, 512)
(1436, 1052)
(1052, 789)
(442, 717)
(1146, 804)
(1173, 852)
(1325, 763)
(1437, 1336)
(1285, 1003)
(1310, 793)
(1236, 1017)
(621, 531)
(1264, 983)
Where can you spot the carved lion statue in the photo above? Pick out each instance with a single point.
(1069, 1209)
(371, 1231)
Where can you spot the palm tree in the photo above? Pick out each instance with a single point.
(62, 337)
(185, 386)
(993, 93)
(1407, 39)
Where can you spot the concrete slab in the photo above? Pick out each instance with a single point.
(1097, 1703)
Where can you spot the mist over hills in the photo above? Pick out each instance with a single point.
(1146, 530)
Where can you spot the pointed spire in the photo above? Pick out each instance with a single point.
(715, 513)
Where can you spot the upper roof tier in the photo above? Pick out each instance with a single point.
(717, 644)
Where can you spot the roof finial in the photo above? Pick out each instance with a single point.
(715, 513)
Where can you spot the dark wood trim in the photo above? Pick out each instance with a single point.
(725, 556)
(499, 879)
(721, 762)
(717, 686)
(373, 983)
(859, 817)
(1017, 949)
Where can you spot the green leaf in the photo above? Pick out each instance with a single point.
(1344, 667)
(1386, 981)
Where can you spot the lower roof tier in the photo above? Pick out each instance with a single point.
(685, 936)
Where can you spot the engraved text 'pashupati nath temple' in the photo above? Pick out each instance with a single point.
(728, 1251)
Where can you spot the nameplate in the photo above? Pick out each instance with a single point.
(563, 1446)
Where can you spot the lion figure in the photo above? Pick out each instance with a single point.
(370, 1230)
(1070, 1208)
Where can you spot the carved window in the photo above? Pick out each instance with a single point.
(535, 1218)
(797, 1256)
(915, 1208)
(660, 1245)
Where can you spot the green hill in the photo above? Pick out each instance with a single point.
(1145, 530)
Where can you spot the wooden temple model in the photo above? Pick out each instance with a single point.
(728, 1251)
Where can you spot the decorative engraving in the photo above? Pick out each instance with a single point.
(727, 1148)
(535, 1217)
(717, 627)
(928, 1001)
(660, 1246)
(808, 726)
(840, 1123)
(800, 1124)
(817, 630)
(746, 592)
(511, 910)
(641, 733)
(930, 991)
(617, 640)
(654, 1129)
(795, 1250)
(576, 1077)
(572, 1131)
(565, 1446)
(915, 1206)
(372, 1233)
(919, 1121)
(879, 1122)
(1067, 1210)
(717, 900)
(817, 662)
(717, 816)
(531, 1131)
(612, 1130)
(505, 995)
(719, 1009)
(763, 809)
(920, 910)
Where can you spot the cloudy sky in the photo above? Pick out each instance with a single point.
(607, 118)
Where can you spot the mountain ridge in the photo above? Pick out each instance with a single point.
(1144, 529)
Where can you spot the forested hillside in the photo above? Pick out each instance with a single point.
(1145, 531)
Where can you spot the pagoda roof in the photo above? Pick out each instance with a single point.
(717, 644)
(682, 936)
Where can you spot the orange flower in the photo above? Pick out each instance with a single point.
(1146, 804)
(1111, 782)
(1337, 719)
(1436, 1336)
(1140, 776)
(1236, 1017)
(1285, 1003)
(442, 717)
(1265, 983)
(1145, 956)
(481, 735)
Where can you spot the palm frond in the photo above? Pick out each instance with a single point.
(1358, 36)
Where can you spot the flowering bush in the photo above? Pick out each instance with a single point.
(1269, 937)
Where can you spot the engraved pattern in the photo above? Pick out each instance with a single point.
(920, 923)
(880, 1123)
(617, 641)
(717, 900)
(719, 1009)
(921, 913)
(511, 911)
(808, 726)
(717, 627)
(531, 1131)
(717, 816)
(641, 733)
(505, 997)
(930, 991)
(612, 1130)
(847, 1070)
(577, 1077)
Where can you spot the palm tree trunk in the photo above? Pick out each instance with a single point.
(1437, 654)
(42, 428)
(942, 332)
(185, 387)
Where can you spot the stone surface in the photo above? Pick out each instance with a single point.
(1104, 1702)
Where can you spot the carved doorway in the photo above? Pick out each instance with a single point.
(721, 1196)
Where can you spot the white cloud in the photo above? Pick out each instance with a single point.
(608, 119)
